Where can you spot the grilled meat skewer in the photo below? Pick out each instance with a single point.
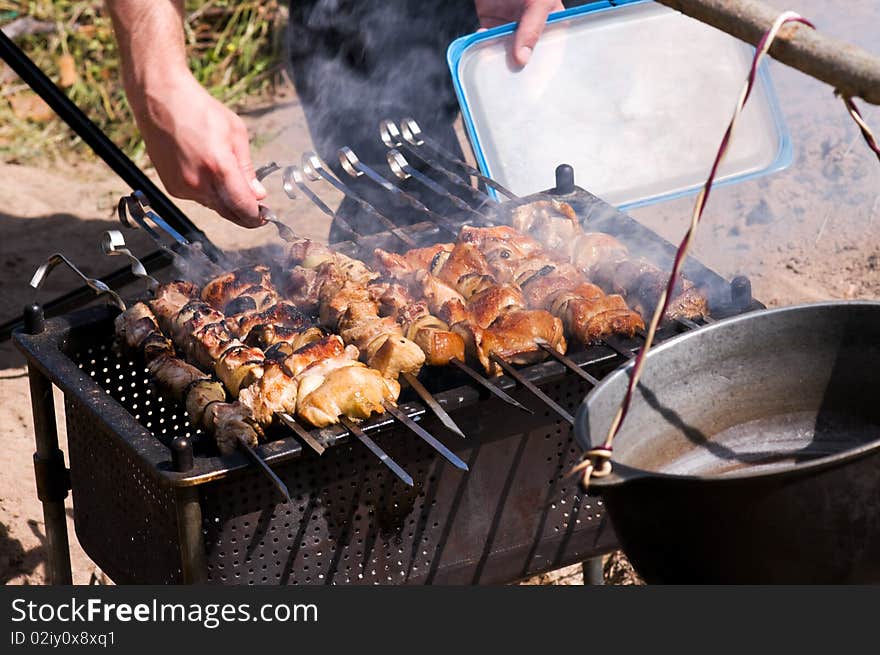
(204, 398)
(559, 287)
(265, 385)
(604, 259)
(460, 288)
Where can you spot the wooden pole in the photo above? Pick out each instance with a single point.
(849, 69)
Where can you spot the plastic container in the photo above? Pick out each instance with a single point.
(635, 96)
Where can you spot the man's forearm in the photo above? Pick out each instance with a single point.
(151, 42)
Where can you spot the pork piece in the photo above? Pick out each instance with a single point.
(591, 319)
(553, 223)
(327, 347)
(436, 292)
(169, 300)
(310, 254)
(225, 288)
(253, 299)
(464, 259)
(390, 296)
(354, 391)
(500, 237)
(486, 306)
(514, 335)
(642, 283)
(540, 290)
(428, 332)
(138, 330)
(205, 403)
(275, 391)
(593, 248)
(392, 355)
(302, 287)
(268, 335)
(281, 314)
(440, 346)
(336, 299)
(232, 422)
(239, 366)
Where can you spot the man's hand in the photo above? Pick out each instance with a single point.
(531, 15)
(200, 148)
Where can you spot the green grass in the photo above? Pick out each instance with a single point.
(233, 48)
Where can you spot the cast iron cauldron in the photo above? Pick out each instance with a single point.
(751, 453)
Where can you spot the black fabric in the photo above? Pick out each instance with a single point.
(355, 63)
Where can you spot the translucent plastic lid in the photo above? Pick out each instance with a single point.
(635, 96)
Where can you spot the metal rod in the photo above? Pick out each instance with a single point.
(687, 323)
(849, 69)
(315, 169)
(376, 450)
(267, 470)
(95, 285)
(302, 433)
(413, 135)
(540, 395)
(402, 169)
(432, 403)
(113, 244)
(92, 135)
(352, 165)
(568, 363)
(488, 385)
(427, 437)
(614, 343)
(392, 138)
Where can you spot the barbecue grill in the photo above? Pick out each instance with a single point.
(153, 503)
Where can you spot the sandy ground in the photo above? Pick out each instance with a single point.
(805, 234)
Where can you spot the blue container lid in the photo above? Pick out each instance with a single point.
(635, 96)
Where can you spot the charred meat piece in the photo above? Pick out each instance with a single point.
(514, 335)
(220, 291)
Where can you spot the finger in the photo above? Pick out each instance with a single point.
(530, 28)
(234, 195)
(242, 151)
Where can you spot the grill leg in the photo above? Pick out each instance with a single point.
(52, 479)
(189, 529)
(592, 569)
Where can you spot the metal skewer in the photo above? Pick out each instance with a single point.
(402, 169)
(113, 243)
(432, 441)
(42, 273)
(432, 403)
(488, 386)
(374, 448)
(414, 136)
(265, 468)
(614, 343)
(352, 165)
(391, 137)
(314, 169)
(567, 362)
(302, 433)
(292, 176)
(543, 397)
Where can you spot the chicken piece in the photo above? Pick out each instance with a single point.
(390, 296)
(202, 395)
(353, 391)
(392, 355)
(440, 346)
(175, 375)
(471, 284)
(363, 330)
(514, 337)
(229, 286)
(487, 239)
(207, 345)
(275, 391)
(490, 304)
(334, 306)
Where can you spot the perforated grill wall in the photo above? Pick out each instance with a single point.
(351, 521)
